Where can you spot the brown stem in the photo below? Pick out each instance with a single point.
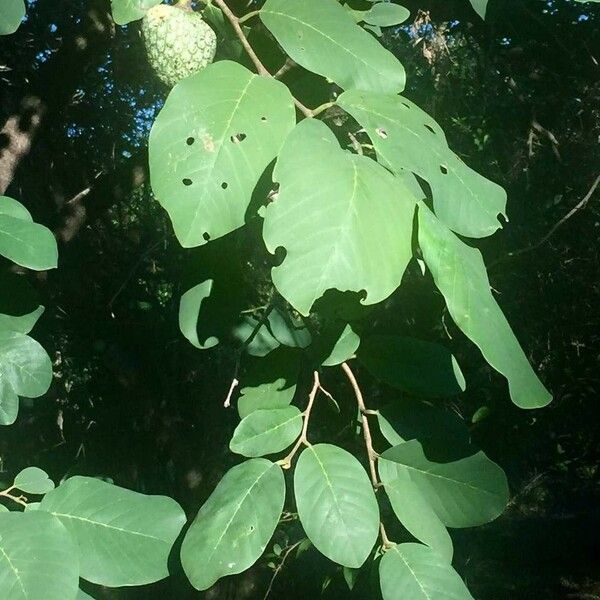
(22, 500)
(280, 567)
(262, 70)
(286, 463)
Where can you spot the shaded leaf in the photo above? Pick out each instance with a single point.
(352, 232)
(234, 526)
(419, 573)
(211, 142)
(480, 6)
(125, 11)
(38, 558)
(266, 431)
(407, 138)
(33, 480)
(460, 274)
(419, 367)
(463, 493)
(336, 504)
(9, 402)
(124, 537)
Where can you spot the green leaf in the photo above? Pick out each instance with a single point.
(22, 323)
(386, 14)
(23, 241)
(350, 576)
(336, 504)
(265, 396)
(38, 558)
(124, 537)
(189, 312)
(351, 232)
(419, 573)
(459, 273)
(11, 15)
(235, 524)
(323, 37)
(266, 431)
(480, 6)
(9, 402)
(211, 142)
(24, 364)
(125, 11)
(263, 342)
(405, 137)
(33, 480)
(344, 348)
(81, 595)
(419, 367)
(463, 493)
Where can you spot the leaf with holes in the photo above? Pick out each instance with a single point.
(33, 480)
(463, 493)
(405, 137)
(124, 537)
(419, 367)
(336, 504)
(211, 142)
(125, 11)
(386, 14)
(419, 573)
(351, 232)
(11, 15)
(459, 273)
(235, 524)
(266, 431)
(323, 37)
(24, 242)
(38, 558)
(24, 364)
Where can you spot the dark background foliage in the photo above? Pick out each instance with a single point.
(519, 99)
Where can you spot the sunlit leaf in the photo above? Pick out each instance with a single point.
(124, 537)
(460, 274)
(22, 323)
(351, 232)
(419, 367)
(189, 312)
(9, 402)
(344, 348)
(235, 524)
(462, 493)
(419, 573)
(24, 242)
(386, 14)
(11, 15)
(336, 504)
(211, 142)
(405, 137)
(125, 11)
(266, 431)
(38, 558)
(24, 364)
(33, 480)
(480, 6)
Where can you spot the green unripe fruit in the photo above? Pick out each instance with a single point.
(178, 42)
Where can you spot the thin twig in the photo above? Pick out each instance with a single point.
(22, 500)
(286, 463)
(579, 206)
(280, 567)
(232, 387)
(262, 70)
(288, 65)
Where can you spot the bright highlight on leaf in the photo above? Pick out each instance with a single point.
(323, 37)
(459, 273)
(211, 142)
(350, 232)
(235, 524)
(407, 138)
(336, 504)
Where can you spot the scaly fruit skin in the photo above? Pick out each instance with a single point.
(178, 42)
